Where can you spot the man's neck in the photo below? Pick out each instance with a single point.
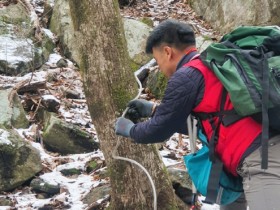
(186, 58)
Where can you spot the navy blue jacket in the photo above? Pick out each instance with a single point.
(184, 91)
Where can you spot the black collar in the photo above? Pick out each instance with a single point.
(186, 59)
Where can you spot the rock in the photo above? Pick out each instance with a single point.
(50, 103)
(71, 172)
(61, 24)
(180, 176)
(62, 63)
(19, 161)
(94, 165)
(47, 13)
(225, 15)
(18, 55)
(202, 43)
(73, 94)
(12, 114)
(67, 138)
(156, 83)
(5, 201)
(126, 2)
(14, 13)
(97, 193)
(136, 34)
(40, 186)
(48, 43)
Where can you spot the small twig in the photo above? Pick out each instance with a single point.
(14, 91)
(35, 112)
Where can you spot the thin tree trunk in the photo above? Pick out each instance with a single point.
(109, 84)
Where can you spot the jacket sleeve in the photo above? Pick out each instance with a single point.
(182, 94)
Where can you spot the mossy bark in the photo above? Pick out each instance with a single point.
(109, 84)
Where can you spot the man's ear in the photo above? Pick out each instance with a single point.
(168, 51)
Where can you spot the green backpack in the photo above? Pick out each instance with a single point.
(247, 62)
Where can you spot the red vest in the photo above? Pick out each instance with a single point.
(233, 139)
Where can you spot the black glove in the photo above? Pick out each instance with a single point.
(139, 108)
(123, 127)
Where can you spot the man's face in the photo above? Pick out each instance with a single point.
(165, 59)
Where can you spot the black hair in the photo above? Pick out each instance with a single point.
(172, 32)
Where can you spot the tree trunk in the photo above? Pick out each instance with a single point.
(109, 84)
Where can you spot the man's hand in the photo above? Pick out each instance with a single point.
(123, 126)
(139, 108)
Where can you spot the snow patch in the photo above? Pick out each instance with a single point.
(4, 135)
(53, 58)
(50, 97)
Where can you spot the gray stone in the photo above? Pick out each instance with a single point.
(202, 43)
(19, 161)
(66, 138)
(156, 83)
(18, 55)
(14, 14)
(224, 15)
(71, 171)
(136, 34)
(97, 193)
(47, 44)
(5, 201)
(12, 112)
(180, 176)
(61, 24)
(40, 186)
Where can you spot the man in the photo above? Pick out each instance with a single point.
(193, 88)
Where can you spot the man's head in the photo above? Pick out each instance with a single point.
(168, 42)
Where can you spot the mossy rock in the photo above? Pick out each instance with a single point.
(157, 83)
(14, 14)
(94, 165)
(97, 193)
(12, 115)
(40, 186)
(65, 138)
(19, 161)
(71, 171)
(148, 21)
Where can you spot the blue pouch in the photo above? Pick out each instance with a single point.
(199, 168)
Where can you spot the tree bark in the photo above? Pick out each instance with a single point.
(109, 84)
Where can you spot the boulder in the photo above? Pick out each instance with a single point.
(14, 14)
(136, 34)
(96, 194)
(224, 15)
(156, 83)
(19, 160)
(202, 43)
(47, 43)
(180, 176)
(12, 112)
(65, 138)
(61, 23)
(40, 186)
(18, 53)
